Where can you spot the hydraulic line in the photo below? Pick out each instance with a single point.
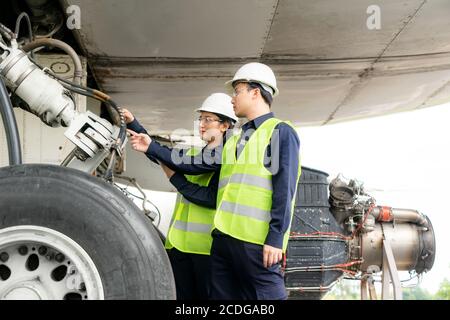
(92, 93)
(86, 91)
(19, 20)
(10, 125)
(100, 96)
(48, 42)
(30, 31)
(6, 32)
(78, 88)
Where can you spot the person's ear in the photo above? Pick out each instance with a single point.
(224, 126)
(255, 93)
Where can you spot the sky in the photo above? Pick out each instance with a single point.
(403, 160)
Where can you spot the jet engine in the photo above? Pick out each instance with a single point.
(345, 233)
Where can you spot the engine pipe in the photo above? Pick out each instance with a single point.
(388, 214)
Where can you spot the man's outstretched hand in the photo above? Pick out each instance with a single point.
(139, 141)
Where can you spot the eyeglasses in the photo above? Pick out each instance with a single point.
(237, 92)
(208, 120)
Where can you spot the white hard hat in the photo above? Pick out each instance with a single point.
(219, 103)
(256, 72)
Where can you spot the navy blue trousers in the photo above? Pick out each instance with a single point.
(238, 273)
(192, 274)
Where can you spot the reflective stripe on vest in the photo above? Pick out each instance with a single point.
(245, 188)
(191, 225)
(247, 179)
(246, 211)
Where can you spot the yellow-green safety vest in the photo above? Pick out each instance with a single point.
(191, 224)
(244, 199)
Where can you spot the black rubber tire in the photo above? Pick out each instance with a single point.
(121, 241)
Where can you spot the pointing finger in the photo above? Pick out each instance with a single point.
(131, 132)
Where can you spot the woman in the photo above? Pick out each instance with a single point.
(189, 238)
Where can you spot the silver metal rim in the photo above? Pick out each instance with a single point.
(38, 263)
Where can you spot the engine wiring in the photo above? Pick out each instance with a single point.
(318, 235)
(360, 225)
(413, 275)
(335, 235)
(378, 278)
(344, 267)
(320, 268)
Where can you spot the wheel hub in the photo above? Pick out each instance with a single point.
(38, 263)
(27, 290)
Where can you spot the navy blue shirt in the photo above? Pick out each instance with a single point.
(285, 146)
(177, 159)
(282, 160)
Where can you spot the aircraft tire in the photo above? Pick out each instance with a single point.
(101, 236)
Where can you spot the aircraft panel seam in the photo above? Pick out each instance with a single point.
(269, 30)
(358, 82)
(405, 24)
(433, 94)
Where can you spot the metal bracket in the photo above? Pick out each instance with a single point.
(93, 137)
(368, 291)
(90, 133)
(390, 273)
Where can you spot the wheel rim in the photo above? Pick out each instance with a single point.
(39, 263)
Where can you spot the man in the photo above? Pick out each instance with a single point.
(189, 238)
(258, 180)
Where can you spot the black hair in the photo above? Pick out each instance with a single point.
(265, 94)
(255, 85)
(226, 119)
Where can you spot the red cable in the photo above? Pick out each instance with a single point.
(365, 218)
(336, 234)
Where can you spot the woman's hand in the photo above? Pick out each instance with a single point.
(127, 116)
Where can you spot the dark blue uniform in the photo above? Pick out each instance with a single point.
(237, 266)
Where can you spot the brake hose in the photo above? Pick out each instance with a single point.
(10, 125)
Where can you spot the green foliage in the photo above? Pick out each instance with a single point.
(350, 290)
(444, 291)
(344, 290)
(416, 293)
